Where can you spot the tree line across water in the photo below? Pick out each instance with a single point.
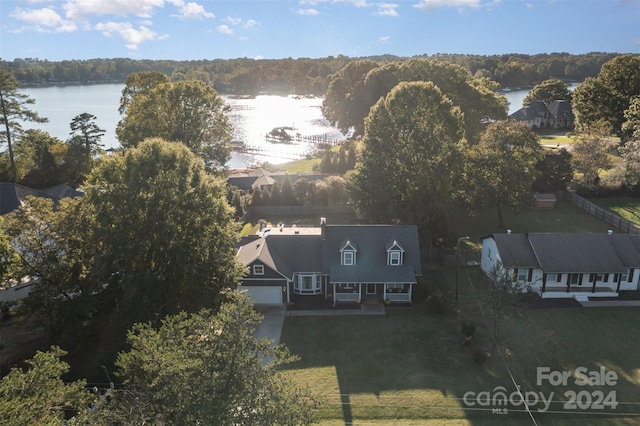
(299, 76)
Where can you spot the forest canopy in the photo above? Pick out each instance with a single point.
(302, 75)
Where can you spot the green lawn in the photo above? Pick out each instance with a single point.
(566, 217)
(409, 367)
(626, 207)
(556, 140)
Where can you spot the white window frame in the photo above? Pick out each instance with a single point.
(348, 258)
(571, 279)
(552, 277)
(523, 273)
(258, 269)
(394, 258)
(314, 279)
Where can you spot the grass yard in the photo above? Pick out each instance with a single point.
(408, 367)
(554, 141)
(626, 207)
(566, 217)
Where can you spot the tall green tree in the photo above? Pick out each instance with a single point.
(352, 94)
(86, 132)
(411, 159)
(554, 171)
(84, 145)
(57, 249)
(548, 91)
(631, 125)
(13, 111)
(631, 163)
(340, 106)
(139, 83)
(39, 396)
(607, 97)
(167, 230)
(502, 167)
(190, 112)
(590, 155)
(8, 256)
(40, 159)
(209, 369)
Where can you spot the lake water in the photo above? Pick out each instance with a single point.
(252, 118)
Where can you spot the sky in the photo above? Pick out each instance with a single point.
(272, 29)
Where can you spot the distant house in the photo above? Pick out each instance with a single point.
(261, 178)
(344, 263)
(12, 195)
(560, 265)
(537, 115)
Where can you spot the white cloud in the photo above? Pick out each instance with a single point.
(193, 10)
(82, 9)
(430, 5)
(224, 29)
(307, 12)
(356, 3)
(132, 36)
(250, 24)
(44, 20)
(233, 21)
(384, 40)
(386, 9)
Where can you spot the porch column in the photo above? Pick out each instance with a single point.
(288, 292)
(568, 282)
(595, 279)
(334, 294)
(360, 291)
(544, 282)
(410, 290)
(618, 285)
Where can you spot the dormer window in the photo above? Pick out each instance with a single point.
(395, 253)
(395, 258)
(258, 269)
(348, 254)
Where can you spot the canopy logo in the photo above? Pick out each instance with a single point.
(500, 401)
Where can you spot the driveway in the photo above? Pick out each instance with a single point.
(271, 326)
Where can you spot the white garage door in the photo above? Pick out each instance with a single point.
(264, 295)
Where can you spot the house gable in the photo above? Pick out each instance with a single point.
(373, 244)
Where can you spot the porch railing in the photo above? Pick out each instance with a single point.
(398, 297)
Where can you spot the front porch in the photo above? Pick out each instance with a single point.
(371, 292)
(561, 292)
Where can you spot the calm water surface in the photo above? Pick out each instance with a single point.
(252, 118)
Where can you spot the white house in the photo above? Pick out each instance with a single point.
(558, 265)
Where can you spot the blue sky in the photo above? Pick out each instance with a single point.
(210, 29)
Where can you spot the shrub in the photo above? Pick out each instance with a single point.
(467, 328)
(437, 303)
(480, 355)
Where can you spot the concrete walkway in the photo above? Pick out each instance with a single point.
(609, 303)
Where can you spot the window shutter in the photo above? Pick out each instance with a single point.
(630, 275)
(530, 275)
